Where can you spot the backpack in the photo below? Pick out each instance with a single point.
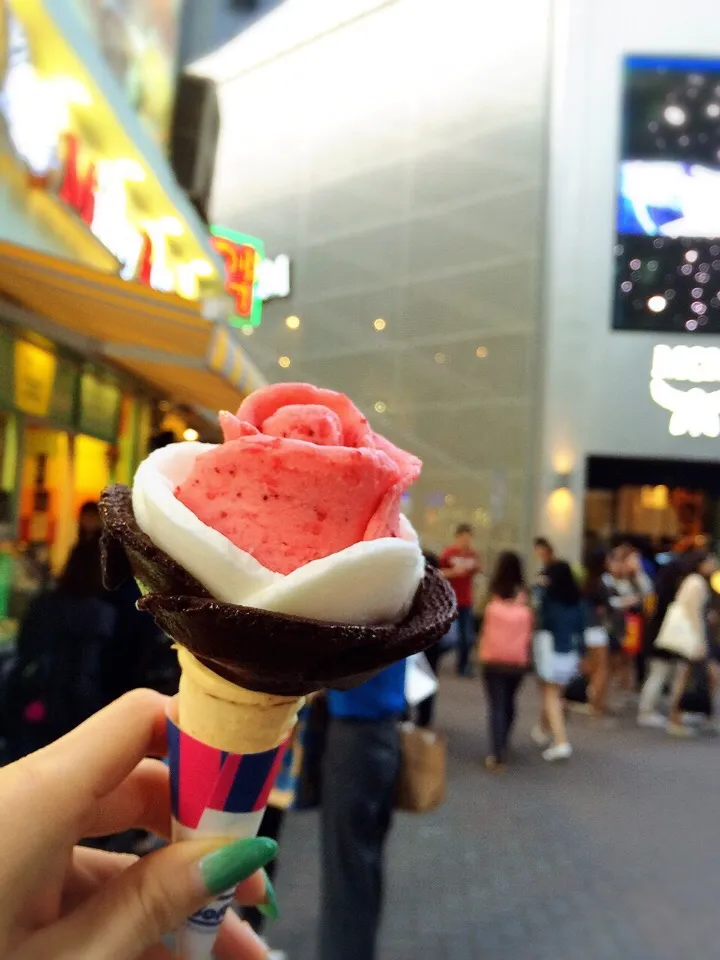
(506, 633)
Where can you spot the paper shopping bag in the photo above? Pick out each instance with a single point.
(421, 784)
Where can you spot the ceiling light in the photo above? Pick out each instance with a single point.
(190, 435)
(440, 358)
(292, 323)
(449, 500)
(247, 329)
(380, 407)
(481, 352)
(284, 362)
(379, 324)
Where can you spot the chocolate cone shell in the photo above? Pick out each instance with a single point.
(256, 649)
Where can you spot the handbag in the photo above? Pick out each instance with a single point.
(421, 782)
(678, 635)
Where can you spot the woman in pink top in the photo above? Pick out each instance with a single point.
(504, 652)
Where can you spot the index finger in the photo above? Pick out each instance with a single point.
(97, 756)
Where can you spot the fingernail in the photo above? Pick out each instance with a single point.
(269, 907)
(230, 865)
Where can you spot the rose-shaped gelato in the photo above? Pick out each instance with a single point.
(297, 512)
(301, 476)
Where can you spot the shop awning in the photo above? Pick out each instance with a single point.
(158, 336)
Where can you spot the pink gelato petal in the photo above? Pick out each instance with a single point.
(306, 421)
(385, 522)
(233, 429)
(261, 405)
(288, 502)
(409, 465)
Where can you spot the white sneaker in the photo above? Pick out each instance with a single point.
(558, 751)
(540, 736)
(654, 720)
(679, 730)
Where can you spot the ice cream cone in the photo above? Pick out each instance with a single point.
(225, 752)
(228, 717)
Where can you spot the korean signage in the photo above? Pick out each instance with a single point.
(251, 278)
(98, 189)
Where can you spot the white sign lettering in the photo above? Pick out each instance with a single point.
(695, 412)
(274, 278)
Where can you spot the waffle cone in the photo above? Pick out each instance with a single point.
(229, 717)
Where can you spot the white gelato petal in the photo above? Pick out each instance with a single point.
(371, 582)
(230, 574)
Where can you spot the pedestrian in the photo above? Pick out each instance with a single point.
(504, 652)
(544, 553)
(685, 583)
(556, 646)
(56, 681)
(459, 563)
(362, 763)
(596, 638)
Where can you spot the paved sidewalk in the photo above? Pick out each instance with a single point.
(614, 856)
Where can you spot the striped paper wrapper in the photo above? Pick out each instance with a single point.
(215, 794)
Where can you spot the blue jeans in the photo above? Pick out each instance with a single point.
(466, 639)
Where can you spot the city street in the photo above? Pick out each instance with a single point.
(613, 856)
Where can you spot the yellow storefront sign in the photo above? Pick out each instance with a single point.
(34, 378)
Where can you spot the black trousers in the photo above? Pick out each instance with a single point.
(362, 761)
(501, 687)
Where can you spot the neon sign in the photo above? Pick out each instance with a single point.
(695, 412)
(242, 256)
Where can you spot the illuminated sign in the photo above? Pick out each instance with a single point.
(38, 119)
(242, 256)
(695, 412)
(274, 278)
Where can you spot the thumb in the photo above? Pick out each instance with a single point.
(154, 896)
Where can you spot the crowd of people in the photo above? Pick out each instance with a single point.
(626, 629)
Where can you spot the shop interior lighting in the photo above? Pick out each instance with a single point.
(284, 362)
(481, 353)
(190, 434)
(292, 323)
(247, 329)
(440, 358)
(380, 324)
(380, 407)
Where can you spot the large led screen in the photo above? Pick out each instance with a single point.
(667, 248)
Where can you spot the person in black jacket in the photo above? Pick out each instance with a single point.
(56, 681)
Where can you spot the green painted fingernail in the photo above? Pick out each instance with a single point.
(230, 865)
(269, 908)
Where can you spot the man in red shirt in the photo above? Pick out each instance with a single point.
(459, 563)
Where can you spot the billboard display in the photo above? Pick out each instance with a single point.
(667, 246)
